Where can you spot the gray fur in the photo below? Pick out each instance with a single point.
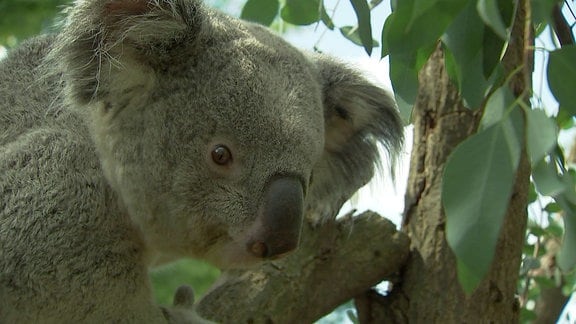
(105, 137)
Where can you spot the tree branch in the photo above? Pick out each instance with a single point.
(335, 262)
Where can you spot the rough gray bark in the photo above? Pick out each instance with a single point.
(335, 262)
(428, 291)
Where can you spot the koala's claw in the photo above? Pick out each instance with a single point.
(184, 297)
(183, 308)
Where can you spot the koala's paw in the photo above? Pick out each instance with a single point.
(184, 297)
(182, 310)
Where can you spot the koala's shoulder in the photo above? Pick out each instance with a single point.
(29, 88)
(26, 57)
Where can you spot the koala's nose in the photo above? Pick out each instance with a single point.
(280, 219)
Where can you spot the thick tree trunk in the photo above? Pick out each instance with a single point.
(550, 305)
(429, 291)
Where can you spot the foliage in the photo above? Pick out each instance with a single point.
(538, 271)
(194, 273)
(22, 19)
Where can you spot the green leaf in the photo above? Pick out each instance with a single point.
(497, 107)
(451, 66)
(465, 39)
(564, 120)
(405, 109)
(541, 135)
(490, 14)
(404, 80)
(492, 48)
(567, 254)
(362, 11)
(417, 24)
(535, 229)
(554, 229)
(476, 188)
(301, 12)
(546, 179)
(542, 10)
(260, 11)
(404, 75)
(552, 208)
(326, 19)
(467, 277)
(351, 33)
(532, 194)
(561, 72)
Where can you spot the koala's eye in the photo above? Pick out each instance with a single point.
(221, 155)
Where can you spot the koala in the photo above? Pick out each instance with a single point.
(151, 130)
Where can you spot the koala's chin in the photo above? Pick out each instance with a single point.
(236, 256)
(233, 256)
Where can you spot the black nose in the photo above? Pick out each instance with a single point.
(280, 218)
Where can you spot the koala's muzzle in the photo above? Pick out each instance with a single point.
(279, 219)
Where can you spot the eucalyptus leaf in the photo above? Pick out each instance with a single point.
(260, 11)
(490, 14)
(546, 179)
(465, 38)
(561, 72)
(405, 109)
(404, 80)
(326, 19)
(541, 135)
(476, 188)
(497, 107)
(301, 12)
(567, 254)
(351, 33)
(492, 48)
(362, 10)
(418, 23)
(542, 10)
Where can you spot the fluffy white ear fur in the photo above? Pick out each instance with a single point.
(359, 117)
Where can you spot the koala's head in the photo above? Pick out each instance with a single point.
(216, 134)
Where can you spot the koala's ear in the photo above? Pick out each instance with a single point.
(359, 117)
(107, 40)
